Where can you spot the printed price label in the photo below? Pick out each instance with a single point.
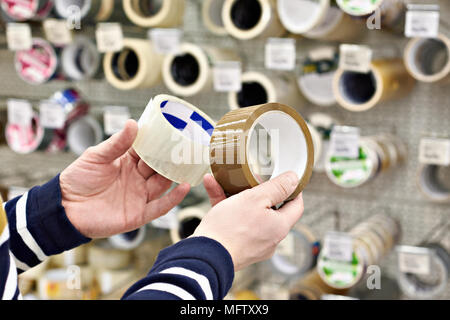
(18, 36)
(286, 246)
(16, 192)
(414, 260)
(114, 118)
(338, 246)
(434, 151)
(19, 112)
(227, 76)
(354, 57)
(57, 32)
(109, 37)
(52, 115)
(422, 21)
(165, 41)
(344, 141)
(280, 54)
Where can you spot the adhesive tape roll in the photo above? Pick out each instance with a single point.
(76, 256)
(65, 8)
(105, 11)
(20, 10)
(317, 142)
(212, 16)
(258, 88)
(188, 220)
(181, 156)
(303, 15)
(237, 136)
(249, 19)
(103, 255)
(359, 7)
(38, 64)
(433, 182)
(428, 59)
(137, 65)
(189, 72)
(84, 133)
(165, 13)
(387, 79)
(80, 59)
(128, 240)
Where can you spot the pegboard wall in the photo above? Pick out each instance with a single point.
(425, 111)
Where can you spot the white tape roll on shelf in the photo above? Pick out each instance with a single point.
(80, 60)
(258, 88)
(160, 13)
(128, 240)
(433, 184)
(83, 133)
(250, 19)
(173, 139)
(188, 220)
(212, 16)
(300, 16)
(137, 65)
(428, 59)
(102, 255)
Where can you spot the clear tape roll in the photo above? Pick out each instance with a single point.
(386, 80)
(432, 185)
(252, 19)
(212, 16)
(164, 13)
(129, 240)
(188, 220)
(137, 65)
(428, 59)
(103, 255)
(80, 60)
(83, 133)
(173, 139)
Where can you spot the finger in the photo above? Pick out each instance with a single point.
(158, 207)
(157, 185)
(116, 145)
(214, 190)
(277, 189)
(292, 211)
(144, 170)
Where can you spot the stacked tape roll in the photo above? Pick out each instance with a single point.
(323, 124)
(212, 16)
(433, 182)
(386, 80)
(76, 256)
(251, 145)
(188, 220)
(128, 240)
(162, 13)
(250, 19)
(173, 139)
(312, 287)
(137, 65)
(19, 10)
(258, 88)
(189, 72)
(83, 133)
(38, 64)
(103, 255)
(428, 59)
(80, 60)
(431, 285)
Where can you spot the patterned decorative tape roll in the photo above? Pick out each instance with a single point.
(247, 20)
(188, 220)
(386, 80)
(165, 13)
(251, 145)
(20, 10)
(38, 64)
(137, 65)
(212, 16)
(428, 59)
(302, 16)
(66, 8)
(173, 139)
(80, 60)
(128, 240)
(432, 185)
(83, 133)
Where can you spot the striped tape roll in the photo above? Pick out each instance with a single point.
(212, 16)
(164, 13)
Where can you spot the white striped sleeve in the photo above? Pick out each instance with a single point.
(169, 288)
(11, 282)
(202, 281)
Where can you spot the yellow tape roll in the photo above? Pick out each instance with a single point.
(165, 13)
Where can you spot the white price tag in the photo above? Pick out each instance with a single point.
(165, 41)
(414, 260)
(422, 21)
(357, 58)
(19, 112)
(227, 76)
(167, 221)
(51, 115)
(286, 246)
(344, 141)
(57, 31)
(338, 246)
(15, 192)
(109, 37)
(114, 118)
(280, 54)
(18, 36)
(434, 151)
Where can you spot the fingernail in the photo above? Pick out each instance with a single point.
(292, 178)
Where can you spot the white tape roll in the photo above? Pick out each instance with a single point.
(173, 139)
(212, 16)
(427, 59)
(128, 240)
(65, 8)
(163, 13)
(249, 19)
(432, 184)
(258, 88)
(80, 59)
(84, 133)
(103, 255)
(301, 16)
(137, 65)
(188, 220)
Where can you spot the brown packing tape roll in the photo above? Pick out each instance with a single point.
(233, 147)
(386, 80)
(165, 13)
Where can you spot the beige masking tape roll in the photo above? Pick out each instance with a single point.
(103, 255)
(212, 16)
(164, 13)
(137, 65)
(106, 9)
(76, 256)
(246, 20)
(173, 139)
(386, 80)
(428, 59)
(188, 220)
(433, 182)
